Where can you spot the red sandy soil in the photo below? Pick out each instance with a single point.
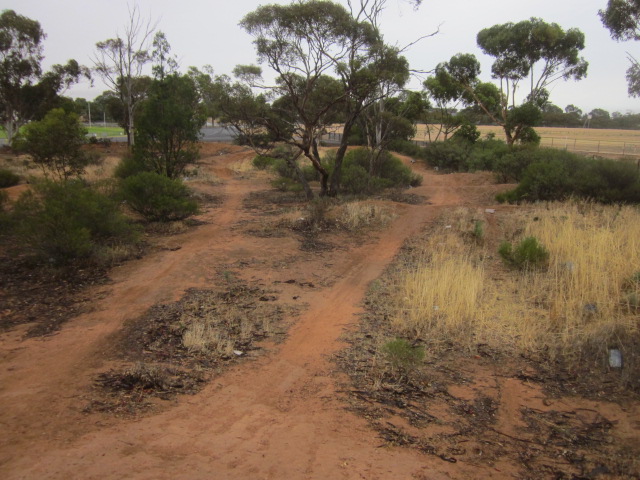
(278, 416)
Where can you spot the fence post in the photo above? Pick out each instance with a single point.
(598, 146)
(624, 148)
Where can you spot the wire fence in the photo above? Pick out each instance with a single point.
(593, 147)
(578, 145)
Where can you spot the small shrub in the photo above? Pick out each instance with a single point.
(104, 141)
(310, 173)
(262, 162)
(407, 147)
(285, 184)
(450, 156)
(55, 144)
(358, 215)
(129, 166)
(528, 254)
(511, 166)
(64, 222)
(158, 198)
(467, 132)
(398, 174)
(143, 376)
(8, 178)
(558, 175)
(478, 231)
(356, 178)
(282, 168)
(403, 356)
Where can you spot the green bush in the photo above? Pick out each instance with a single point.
(157, 197)
(310, 173)
(128, 166)
(55, 144)
(63, 222)
(513, 165)
(558, 175)
(462, 155)
(486, 155)
(397, 173)
(407, 147)
(403, 356)
(528, 254)
(355, 173)
(282, 168)
(478, 231)
(448, 156)
(285, 184)
(8, 178)
(262, 162)
(467, 133)
(356, 179)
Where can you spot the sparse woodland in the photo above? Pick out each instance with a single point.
(475, 299)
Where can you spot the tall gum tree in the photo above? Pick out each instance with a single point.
(120, 61)
(622, 19)
(530, 55)
(26, 93)
(308, 41)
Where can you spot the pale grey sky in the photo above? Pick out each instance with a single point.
(206, 32)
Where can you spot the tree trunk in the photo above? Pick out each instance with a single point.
(303, 181)
(9, 130)
(509, 136)
(334, 187)
(130, 133)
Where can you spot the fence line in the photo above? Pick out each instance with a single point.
(577, 145)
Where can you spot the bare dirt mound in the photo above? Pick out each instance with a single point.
(275, 415)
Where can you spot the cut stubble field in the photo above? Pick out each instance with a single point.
(593, 141)
(144, 381)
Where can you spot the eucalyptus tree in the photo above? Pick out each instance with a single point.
(447, 95)
(530, 55)
(308, 42)
(390, 119)
(170, 118)
(26, 93)
(622, 18)
(120, 61)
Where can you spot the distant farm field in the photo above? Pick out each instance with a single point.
(584, 140)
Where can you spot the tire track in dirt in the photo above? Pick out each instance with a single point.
(39, 369)
(279, 416)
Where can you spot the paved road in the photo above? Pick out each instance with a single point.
(209, 134)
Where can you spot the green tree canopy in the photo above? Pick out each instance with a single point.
(55, 144)
(305, 43)
(168, 125)
(622, 18)
(25, 92)
(532, 54)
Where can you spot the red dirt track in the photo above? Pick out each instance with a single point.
(277, 416)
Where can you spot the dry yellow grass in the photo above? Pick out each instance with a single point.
(586, 300)
(364, 214)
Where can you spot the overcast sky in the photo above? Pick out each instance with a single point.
(206, 32)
